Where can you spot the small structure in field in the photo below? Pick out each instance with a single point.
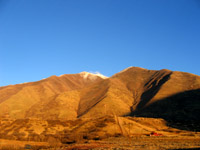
(155, 134)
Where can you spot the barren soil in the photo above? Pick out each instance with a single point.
(140, 143)
(115, 143)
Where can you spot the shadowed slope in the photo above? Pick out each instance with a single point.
(181, 110)
(153, 86)
(143, 84)
(177, 101)
(134, 89)
(122, 93)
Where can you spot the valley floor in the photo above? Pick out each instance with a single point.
(113, 143)
(141, 143)
(108, 132)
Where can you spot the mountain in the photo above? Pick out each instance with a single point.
(54, 97)
(171, 95)
(135, 91)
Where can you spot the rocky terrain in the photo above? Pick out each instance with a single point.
(85, 107)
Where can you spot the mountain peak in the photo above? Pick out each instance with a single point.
(133, 67)
(129, 68)
(90, 75)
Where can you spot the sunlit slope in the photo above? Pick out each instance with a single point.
(133, 91)
(106, 97)
(46, 98)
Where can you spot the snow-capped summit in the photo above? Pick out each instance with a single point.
(87, 75)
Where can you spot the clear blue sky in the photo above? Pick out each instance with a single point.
(40, 38)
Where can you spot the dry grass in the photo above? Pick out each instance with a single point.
(141, 143)
(103, 132)
(19, 145)
(85, 129)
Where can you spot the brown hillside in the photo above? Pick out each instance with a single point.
(133, 91)
(174, 96)
(122, 93)
(42, 99)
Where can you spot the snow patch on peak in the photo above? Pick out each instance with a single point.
(61, 75)
(85, 74)
(92, 75)
(100, 75)
(23, 83)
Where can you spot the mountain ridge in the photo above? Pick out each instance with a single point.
(88, 95)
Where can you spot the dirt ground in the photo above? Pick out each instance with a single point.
(111, 133)
(122, 143)
(139, 143)
(19, 145)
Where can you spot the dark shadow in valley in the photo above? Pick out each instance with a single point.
(153, 87)
(181, 111)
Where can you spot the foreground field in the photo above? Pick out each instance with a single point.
(18, 145)
(113, 143)
(108, 132)
(142, 143)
